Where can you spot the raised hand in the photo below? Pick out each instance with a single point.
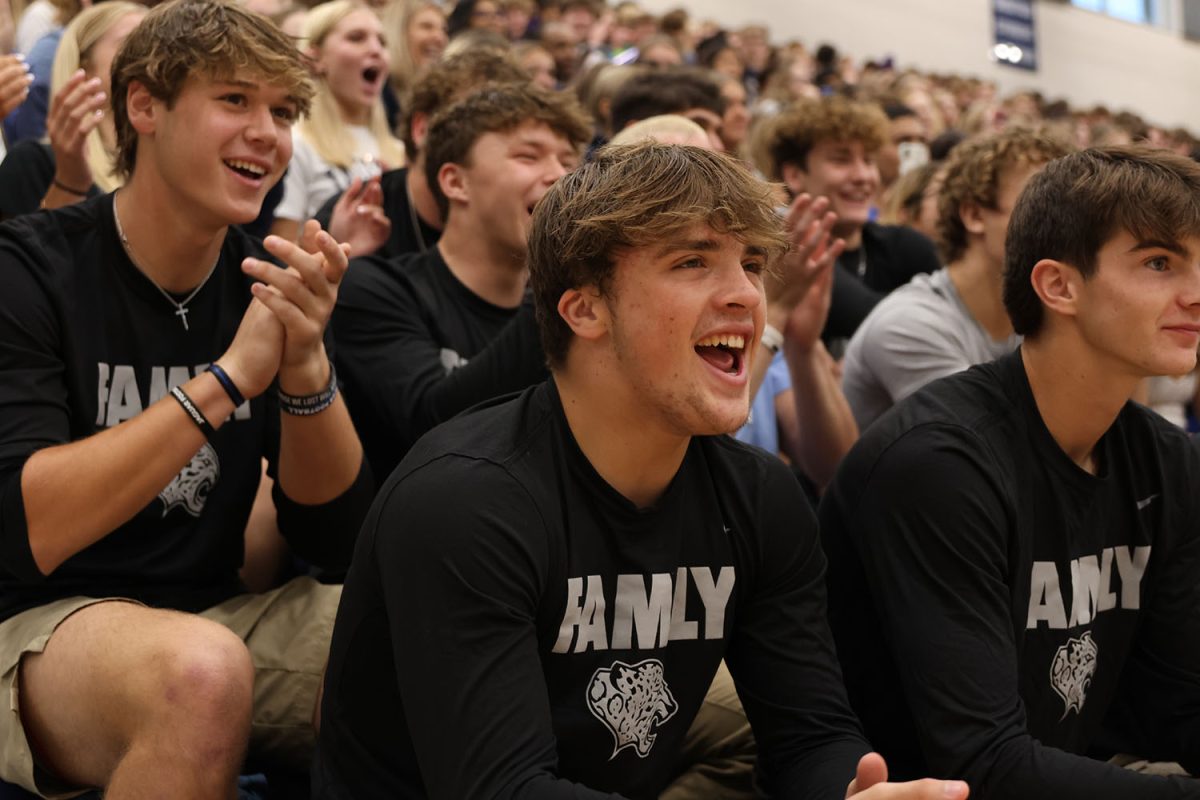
(77, 108)
(252, 359)
(813, 252)
(358, 218)
(14, 83)
(804, 323)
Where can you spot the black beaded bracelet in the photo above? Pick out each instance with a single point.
(227, 384)
(309, 404)
(64, 188)
(193, 411)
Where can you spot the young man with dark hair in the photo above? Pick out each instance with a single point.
(828, 148)
(422, 338)
(906, 146)
(565, 48)
(128, 465)
(396, 214)
(546, 586)
(940, 324)
(1013, 549)
(686, 91)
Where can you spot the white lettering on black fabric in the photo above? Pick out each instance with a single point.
(644, 616)
(119, 397)
(1091, 588)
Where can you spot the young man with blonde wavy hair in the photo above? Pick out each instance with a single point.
(547, 585)
(128, 465)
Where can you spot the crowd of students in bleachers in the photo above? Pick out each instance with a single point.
(368, 60)
(423, 137)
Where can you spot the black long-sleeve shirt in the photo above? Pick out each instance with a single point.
(408, 234)
(415, 347)
(997, 608)
(888, 258)
(513, 627)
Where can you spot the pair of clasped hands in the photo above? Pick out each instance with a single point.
(282, 331)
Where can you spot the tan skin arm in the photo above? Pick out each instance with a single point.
(76, 493)
(319, 455)
(825, 429)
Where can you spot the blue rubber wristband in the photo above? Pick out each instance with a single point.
(227, 384)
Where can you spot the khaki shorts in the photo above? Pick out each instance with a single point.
(286, 630)
(717, 762)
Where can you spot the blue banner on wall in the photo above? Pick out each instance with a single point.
(1015, 44)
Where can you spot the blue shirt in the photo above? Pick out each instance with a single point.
(28, 120)
(762, 430)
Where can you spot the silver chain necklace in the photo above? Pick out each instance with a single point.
(181, 309)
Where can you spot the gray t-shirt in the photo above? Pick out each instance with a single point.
(917, 334)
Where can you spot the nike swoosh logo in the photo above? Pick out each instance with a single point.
(1143, 503)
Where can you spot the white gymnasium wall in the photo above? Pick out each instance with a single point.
(1086, 58)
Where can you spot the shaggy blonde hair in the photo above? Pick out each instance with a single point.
(213, 38)
(974, 172)
(637, 196)
(793, 133)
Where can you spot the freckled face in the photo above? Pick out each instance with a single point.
(683, 321)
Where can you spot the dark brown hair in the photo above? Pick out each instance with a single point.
(497, 108)
(451, 78)
(1075, 205)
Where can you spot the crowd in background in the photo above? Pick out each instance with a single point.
(911, 174)
(590, 48)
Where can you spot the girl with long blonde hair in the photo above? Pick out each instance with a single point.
(418, 31)
(346, 134)
(76, 159)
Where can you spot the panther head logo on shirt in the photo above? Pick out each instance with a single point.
(631, 700)
(1072, 670)
(191, 486)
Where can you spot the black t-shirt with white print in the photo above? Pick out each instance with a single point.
(87, 342)
(513, 626)
(415, 347)
(998, 610)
